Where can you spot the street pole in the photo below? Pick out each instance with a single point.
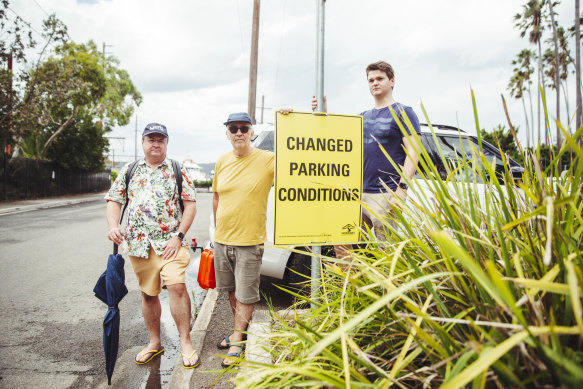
(317, 250)
(253, 65)
(262, 107)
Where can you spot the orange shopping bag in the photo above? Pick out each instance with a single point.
(206, 271)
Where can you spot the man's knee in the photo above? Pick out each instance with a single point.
(148, 298)
(177, 290)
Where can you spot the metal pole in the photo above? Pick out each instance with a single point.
(262, 107)
(317, 250)
(253, 64)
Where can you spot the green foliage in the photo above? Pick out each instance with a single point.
(85, 135)
(203, 184)
(480, 289)
(113, 176)
(15, 87)
(502, 138)
(48, 107)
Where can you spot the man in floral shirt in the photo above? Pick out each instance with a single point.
(153, 238)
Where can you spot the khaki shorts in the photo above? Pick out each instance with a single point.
(156, 272)
(379, 205)
(238, 268)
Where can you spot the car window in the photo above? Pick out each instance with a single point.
(264, 141)
(457, 150)
(427, 143)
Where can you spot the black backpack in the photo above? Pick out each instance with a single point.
(177, 174)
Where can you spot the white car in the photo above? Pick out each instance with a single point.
(278, 262)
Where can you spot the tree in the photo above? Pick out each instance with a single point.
(84, 134)
(64, 84)
(79, 89)
(530, 22)
(557, 72)
(579, 108)
(16, 40)
(520, 82)
(502, 137)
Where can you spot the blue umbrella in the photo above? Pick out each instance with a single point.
(110, 289)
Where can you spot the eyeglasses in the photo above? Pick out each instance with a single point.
(234, 129)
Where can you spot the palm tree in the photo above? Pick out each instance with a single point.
(520, 82)
(530, 22)
(557, 82)
(578, 67)
(565, 61)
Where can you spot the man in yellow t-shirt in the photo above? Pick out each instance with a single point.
(243, 178)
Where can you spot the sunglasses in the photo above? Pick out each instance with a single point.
(234, 129)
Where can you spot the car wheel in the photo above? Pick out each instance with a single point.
(298, 271)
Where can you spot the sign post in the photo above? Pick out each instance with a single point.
(316, 251)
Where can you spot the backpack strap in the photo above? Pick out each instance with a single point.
(129, 174)
(178, 178)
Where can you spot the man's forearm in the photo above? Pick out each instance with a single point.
(112, 214)
(215, 206)
(412, 159)
(187, 216)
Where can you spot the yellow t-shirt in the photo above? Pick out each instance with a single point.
(243, 185)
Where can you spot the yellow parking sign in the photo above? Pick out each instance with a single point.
(318, 178)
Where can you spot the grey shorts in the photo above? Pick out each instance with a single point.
(237, 268)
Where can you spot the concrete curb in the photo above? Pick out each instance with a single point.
(45, 204)
(258, 342)
(180, 377)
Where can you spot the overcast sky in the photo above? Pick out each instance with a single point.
(190, 59)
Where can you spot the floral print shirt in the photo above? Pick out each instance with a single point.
(153, 212)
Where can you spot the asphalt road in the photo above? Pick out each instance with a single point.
(51, 326)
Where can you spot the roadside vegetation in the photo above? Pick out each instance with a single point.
(480, 289)
(58, 98)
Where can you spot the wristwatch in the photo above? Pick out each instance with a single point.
(403, 185)
(180, 236)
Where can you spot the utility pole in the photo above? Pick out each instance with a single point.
(262, 107)
(103, 52)
(253, 65)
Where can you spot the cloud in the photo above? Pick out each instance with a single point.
(190, 59)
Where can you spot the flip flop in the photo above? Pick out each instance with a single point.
(144, 352)
(236, 355)
(188, 357)
(220, 343)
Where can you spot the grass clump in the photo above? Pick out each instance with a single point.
(475, 288)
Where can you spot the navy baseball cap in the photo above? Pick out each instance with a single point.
(155, 128)
(238, 117)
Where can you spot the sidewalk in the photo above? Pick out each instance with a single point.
(8, 207)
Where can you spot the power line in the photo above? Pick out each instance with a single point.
(27, 23)
(42, 9)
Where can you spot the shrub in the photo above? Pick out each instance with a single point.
(473, 288)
